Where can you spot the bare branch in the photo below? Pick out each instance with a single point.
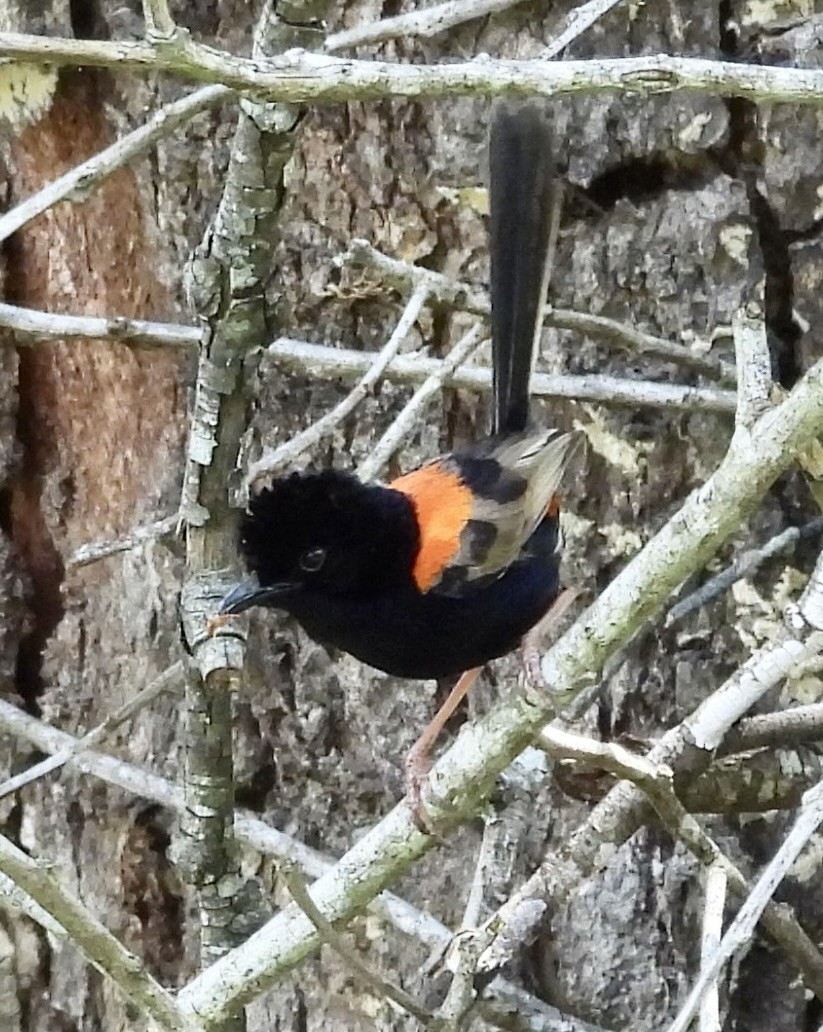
(714, 903)
(169, 681)
(747, 562)
(407, 418)
(94, 940)
(754, 370)
(96, 550)
(577, 21)
(78, 182)
(404, 276)
(159, 22)
(270, 464)
(426, 23)
(30, 326)
(742, 928)
(608, 390)
(297, 76)
(791, 727)
(300, 894)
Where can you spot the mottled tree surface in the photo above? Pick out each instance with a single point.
(677, 208)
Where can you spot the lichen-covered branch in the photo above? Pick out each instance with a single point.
(300, 77)
(227, 281)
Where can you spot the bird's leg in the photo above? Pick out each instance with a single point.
(533, 639)
(418, 760)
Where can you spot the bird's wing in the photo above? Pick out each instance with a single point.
(477, 508)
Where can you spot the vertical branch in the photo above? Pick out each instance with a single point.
(227, 280)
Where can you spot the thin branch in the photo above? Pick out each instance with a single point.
(29, 326)
(742, 928)
(272, 462)
(745, 563)
(714, 903)
(170, 680)
(754, 371)
(297, 76)
(409, 415)
(404, 276)
(577, 21)
(463, 776)
(159, 22)
(94, 940)
(608, 390)
(469, 943)
(425, 23)
(77, 183)
(792, 727)
(96, 550)
(300, 894)
(417, 924)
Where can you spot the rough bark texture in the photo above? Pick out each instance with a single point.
(679, 208)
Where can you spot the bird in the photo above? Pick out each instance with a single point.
(451, 565)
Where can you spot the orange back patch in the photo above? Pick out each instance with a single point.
(443, 506)
(553, 508)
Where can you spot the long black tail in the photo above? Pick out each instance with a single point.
(521, 181)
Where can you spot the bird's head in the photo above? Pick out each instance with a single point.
(322, 532)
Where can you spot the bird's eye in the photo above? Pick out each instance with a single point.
(312, 559)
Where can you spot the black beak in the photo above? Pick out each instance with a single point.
(251, 593)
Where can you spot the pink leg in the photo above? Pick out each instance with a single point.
(418, 760)
(532, 641)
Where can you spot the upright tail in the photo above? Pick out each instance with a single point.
(521, 185)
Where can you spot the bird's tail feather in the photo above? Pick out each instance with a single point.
(521, 197)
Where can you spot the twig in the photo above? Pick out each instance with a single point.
(742, 928)
(747, 562)
(754, 376)
(404, 276)
(298, 77)
(29, 326)
(78, 182)
(609, 390)
(468, 944)
(791, 727)
(270, 842)
(169, 681)
(96, 550)
(300, 894)
(577, 21)
(426, 23)
(271, 463)
(714, 903)
(407, 418)
(159, 22)
(95, 941)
